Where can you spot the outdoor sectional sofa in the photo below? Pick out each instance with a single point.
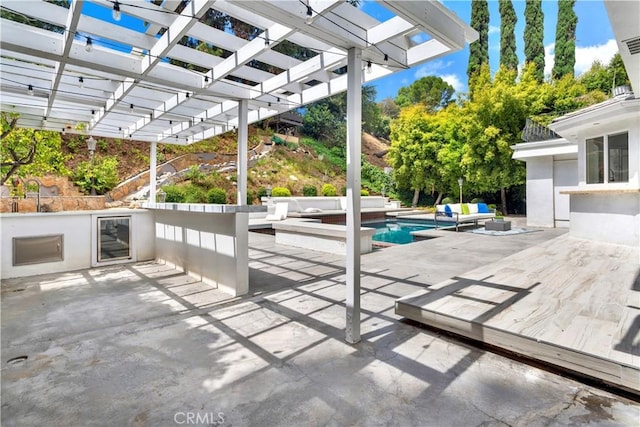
(461, 213)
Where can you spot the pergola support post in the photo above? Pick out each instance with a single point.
(354, 142)
(243, 144)
(152, 172)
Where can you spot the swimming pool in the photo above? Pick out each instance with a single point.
(398, 231)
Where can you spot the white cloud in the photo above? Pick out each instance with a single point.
(549, 57)
(494, 29)
(585, 56)
(454, 81)
(432, 68)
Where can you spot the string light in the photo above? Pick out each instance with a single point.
(386, 61)
(30, 90)
(116, 11)
(89, 46)
(266, 41)
(309, 18)
(368, 67)
(81, 81)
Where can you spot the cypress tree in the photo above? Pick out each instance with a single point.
(508, 19)
(565, 51)
(479, 50)
(534, 36)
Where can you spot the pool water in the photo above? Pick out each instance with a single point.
(397, 231)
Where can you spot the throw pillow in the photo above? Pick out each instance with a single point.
(483, 208)
(447, 210)
(465, 209)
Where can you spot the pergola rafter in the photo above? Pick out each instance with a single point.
(131, 88)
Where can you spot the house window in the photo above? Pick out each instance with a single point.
(616, 161)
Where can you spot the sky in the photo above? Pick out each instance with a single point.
(594, 41)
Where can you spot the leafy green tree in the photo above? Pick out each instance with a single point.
(425, 150)
(565, 50)
(605, 78)
(431, 91)
(534, 36)
(479, 50)
(494, 121)
(325, 119)
(389, 108)
(26, 152)
(508, 20)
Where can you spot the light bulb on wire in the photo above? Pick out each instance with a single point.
(385, 64)
(116, 11)
(369, 67)
(81, 81)
(89, 46)
(309, 18)
(30, 90)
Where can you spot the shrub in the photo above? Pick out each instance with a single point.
(250, 197)
(364, 192)
(174, 194)
(477, 200)
(447, 200)
(309, 191)
(343, 191)
(195, 175)
(217, 195)
(329, 190)
(262, 192)
(194, 194)
(280, 192)
(103, 176)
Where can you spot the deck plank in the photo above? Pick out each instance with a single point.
(571, 302)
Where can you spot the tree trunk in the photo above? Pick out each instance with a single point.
(438, 199)
(503, 199)
(416, 196)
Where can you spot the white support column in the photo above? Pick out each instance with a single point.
(152, 173)
(354, 135)
(243, 147)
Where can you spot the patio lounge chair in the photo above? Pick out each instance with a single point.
(280, 212)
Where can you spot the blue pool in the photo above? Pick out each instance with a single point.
(397, 231)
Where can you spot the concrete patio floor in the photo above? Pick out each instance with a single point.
(146, 345)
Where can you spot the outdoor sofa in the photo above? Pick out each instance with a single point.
(462, 213)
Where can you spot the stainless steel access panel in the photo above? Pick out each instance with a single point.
(38, 249)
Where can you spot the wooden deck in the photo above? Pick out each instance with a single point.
(568, 302)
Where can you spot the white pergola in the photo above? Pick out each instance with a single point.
(123, 85)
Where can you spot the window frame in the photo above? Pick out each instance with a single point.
(605, 158)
